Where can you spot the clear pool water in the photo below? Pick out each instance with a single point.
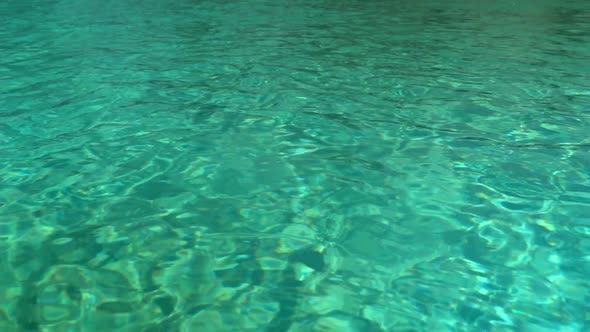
(294, 165)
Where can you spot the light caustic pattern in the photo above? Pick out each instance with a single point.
(294, 165)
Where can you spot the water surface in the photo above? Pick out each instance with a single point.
(294, 165)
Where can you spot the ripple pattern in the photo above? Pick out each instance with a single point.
(294, 165)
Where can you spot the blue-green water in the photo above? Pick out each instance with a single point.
(294, 165)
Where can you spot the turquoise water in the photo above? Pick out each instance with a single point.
(294, 166)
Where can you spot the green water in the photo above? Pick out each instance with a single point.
(294, 166)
